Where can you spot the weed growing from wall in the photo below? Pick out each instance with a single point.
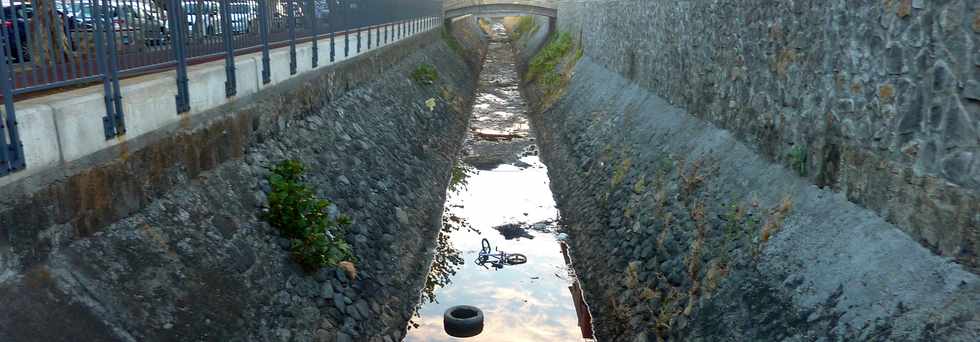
(543, 64)
(460, 173)
(316, 239)
(425, 74)
(797, 158)
(525, 26)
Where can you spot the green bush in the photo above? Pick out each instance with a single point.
(545, 62)
(425, 74)
(316, 239)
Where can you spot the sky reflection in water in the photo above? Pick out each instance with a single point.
(517, 307)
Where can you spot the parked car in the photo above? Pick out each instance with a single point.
(84, 20)
(282, 9)
(203, 18)
(243, 16)
(321, 8)
(17, 20)
(146, 17)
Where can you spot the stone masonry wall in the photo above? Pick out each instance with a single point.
(680, 232)
(878, 100)
(189, 260)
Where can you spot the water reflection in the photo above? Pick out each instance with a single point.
(529, 302)
(526, 302)
(447, 258)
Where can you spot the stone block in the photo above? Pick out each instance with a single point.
(972, 90)
(894, 62)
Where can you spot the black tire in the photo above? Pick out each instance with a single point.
(516, 259)
(463, 321)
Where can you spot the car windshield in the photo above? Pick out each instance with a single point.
(240, 8)
(8, 12)
(84, 11)
(199, 8)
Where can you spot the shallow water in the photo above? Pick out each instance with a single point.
(527, 302)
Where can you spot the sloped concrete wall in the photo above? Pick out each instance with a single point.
(685, 225)
(877, 100)
(678, 231)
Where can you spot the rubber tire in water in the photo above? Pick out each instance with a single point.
(463, 321)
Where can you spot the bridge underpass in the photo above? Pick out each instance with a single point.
(706, 189)
(501, 8)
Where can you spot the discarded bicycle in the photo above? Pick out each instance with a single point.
(498, 259)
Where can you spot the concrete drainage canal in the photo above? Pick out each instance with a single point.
(500, 205)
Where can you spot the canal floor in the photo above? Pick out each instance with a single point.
(507, 193)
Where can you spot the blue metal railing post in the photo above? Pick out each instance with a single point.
(109, 124)
(118, 124)
(346, 32)
(12, 152)
(314, 31)
(179, 42)
(292, 36)
(369, 38)
(231, 84)
(264, 36)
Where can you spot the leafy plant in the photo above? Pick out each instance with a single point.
(425, 74)
(545, 62)
(316, 239)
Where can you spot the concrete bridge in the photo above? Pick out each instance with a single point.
(458, 8)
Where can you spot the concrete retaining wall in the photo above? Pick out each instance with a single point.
(60, 129)
(878, 100)
(86, 182)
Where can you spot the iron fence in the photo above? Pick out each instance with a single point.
(52, 44)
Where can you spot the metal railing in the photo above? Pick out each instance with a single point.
(52, 44)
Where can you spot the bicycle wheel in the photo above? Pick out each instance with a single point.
(486, 245)
(516, 259)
